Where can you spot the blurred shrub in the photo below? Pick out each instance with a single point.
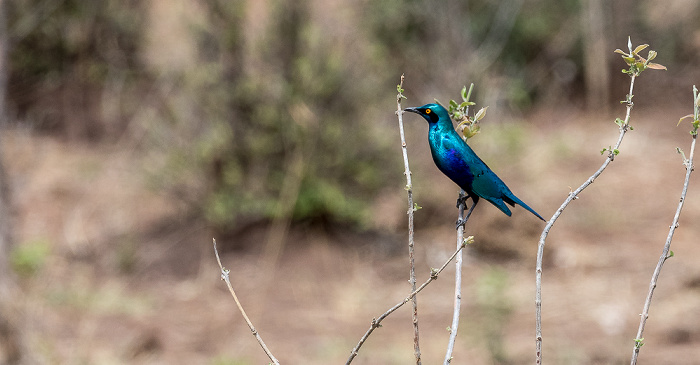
(282, 129)
(73, 63)
(287, 119)
(522, 53)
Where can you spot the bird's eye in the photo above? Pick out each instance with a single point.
(428, 111)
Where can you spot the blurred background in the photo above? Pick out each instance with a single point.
(133, 132)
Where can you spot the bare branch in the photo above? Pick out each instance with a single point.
(376, 322)
(458, 287)
(225, 277)
(624, 127)
(460, 237)
(666, 252)
(411, 209)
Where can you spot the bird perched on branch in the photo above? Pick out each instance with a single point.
(457, 160)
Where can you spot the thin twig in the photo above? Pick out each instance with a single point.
(458, 285)
(458, 261)
(376, 322)
(225, 277)
(666, 252)
(411, 209)
(624, 127)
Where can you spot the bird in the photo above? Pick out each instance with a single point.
(454, 158)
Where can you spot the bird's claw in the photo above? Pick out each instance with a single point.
(462, 200)
(460, 222)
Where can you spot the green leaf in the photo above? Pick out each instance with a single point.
(480, 114)
(656, 66)
(471, 131)
(670, 254)
(680, 120)
(640, 48)
(629, 60)
(469, 92)
(453, 103)
(621, 52)
(651, 56)
(464, 93)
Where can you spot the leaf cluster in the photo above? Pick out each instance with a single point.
(636, 62)
(459, 112)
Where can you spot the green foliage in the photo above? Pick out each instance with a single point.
(416, 207)
(67, 55)
(612, 151)
(696, 114)
(28, 258)
(292, 142)
(459, 112)
(282, 121)
(637, 64)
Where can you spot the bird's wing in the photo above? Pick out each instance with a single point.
(472, 174)
(484, 182)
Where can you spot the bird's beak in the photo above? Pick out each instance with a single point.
(412, 110)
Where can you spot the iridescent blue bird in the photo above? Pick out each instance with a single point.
(458, 161)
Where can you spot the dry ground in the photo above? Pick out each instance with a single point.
(128, 280)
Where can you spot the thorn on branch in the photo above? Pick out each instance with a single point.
(571, 193)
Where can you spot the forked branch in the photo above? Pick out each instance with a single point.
(637, 64)
(376, 322)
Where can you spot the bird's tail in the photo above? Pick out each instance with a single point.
(515, 200)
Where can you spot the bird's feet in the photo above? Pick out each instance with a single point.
(460, 222)
(462, 200)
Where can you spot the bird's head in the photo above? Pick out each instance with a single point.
(431, 112)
